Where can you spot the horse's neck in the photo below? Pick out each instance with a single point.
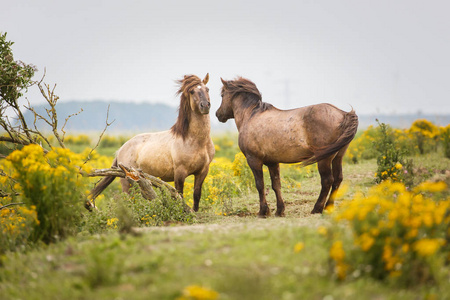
(199, 127)
(241, 112)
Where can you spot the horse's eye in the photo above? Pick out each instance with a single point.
(192, 92)
(207, 89)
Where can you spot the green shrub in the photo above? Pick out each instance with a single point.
(390, 160)
(445, 138)
(160, 211)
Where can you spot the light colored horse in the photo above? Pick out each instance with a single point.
(173, 155)
(270, 136)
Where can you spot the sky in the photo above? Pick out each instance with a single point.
(379, 57)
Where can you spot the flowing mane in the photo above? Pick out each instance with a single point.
(253, 97)
(186, 84)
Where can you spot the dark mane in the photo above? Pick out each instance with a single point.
(186, 84)
(252, 95)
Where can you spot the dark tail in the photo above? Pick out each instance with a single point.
(103, 184)
(349, 126)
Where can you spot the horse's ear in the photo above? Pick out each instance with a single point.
(224, 82)
(206, 79)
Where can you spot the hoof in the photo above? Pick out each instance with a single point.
(316, 211)
(280, 214)
(264, 214)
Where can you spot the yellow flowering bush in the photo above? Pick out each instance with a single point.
(362, 146)
(80, 140)
(422, 137)
(227, 179)
(425, 135)
(393, 232)
(16, 225)
(219, 186)
(219, 183)
(109, 141)
(243, 172)
(52, 183)
(226, 145)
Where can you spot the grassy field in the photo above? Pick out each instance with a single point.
(233, 257)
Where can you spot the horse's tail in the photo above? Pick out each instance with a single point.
(103, 184)
(349, 126)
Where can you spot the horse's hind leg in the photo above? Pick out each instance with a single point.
(274, 170)
(336, 165)
(326, 180)
(256, 167)
(126, 185)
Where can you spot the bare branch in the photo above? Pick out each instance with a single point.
(52, 99)
(14, 140)
(100, 137)
(10, 204)
(67, 119)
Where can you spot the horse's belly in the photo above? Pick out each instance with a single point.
(158, 165)
(278, 147)
(292, 154)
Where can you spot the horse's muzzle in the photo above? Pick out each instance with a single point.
(220, 117)
(204, 107)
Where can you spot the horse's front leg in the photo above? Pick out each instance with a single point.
(198, 182)
(274, 170)
(256, 167)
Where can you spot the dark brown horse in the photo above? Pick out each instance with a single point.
(270, 136)
(173, 155)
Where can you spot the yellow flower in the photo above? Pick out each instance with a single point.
(336, 251)
(299, 247)
(432, 187)
(196, 292)
(341, 270)
(398, 166)
(366, 241)
(112, 223)
(322, 230)
(427, 247)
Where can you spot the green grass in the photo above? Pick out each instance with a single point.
(239, 257)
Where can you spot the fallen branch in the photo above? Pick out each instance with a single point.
(144, 180)
(144, 184)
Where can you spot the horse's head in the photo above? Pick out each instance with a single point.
(239, 88)
(197, 93)
(225, 110)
